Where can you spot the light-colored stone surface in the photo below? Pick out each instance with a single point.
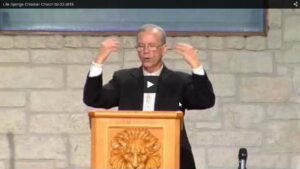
(128, 42)
(12, 99)
(292, 27)
(2, 165)
(73, 41)
(291, 11)
(203, 115)
(6, 42)
(181, 39)
(199, 42)
(108, 71)
(283, 136)
(61, 164)
(295, 162)
(243, 61)
(178, 65)
(228, 138)
(222, 157)
(170, 42)
(202, 55)
(256, 43)
(56, 101)
(40, 147)
(11, 56)
(78, 56)
(171, 55)
(283, 111)
(274, 38)
(296, 80)
(34, 165)
(13, 120)
(235, 42)
(31, 77)
(131, 64)
(268, 161)
(289, 55)
(208, 125)
(243, 116)
(224, 84)
(275, 18)
(76, 75)
(21, 41)
(56, 41)
(79, 153)
(37, 42)
(47, 56)
(264, 89)
(199, 157)
(215, 42)
(6, 145)
(282, 70)
(131, 55)
(92, 41)
(115, 57)
(59, 123)
(295, 99)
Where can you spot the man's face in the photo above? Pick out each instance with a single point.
(150, 49)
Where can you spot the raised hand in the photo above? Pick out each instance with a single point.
(189, 54)
(107, 46)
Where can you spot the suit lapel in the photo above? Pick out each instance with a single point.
(136, 91)
(161, 101)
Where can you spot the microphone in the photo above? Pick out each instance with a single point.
(242, 158)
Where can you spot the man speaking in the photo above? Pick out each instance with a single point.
(152, 86)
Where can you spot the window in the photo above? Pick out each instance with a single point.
(126, 21)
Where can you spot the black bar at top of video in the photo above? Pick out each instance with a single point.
(154, 3)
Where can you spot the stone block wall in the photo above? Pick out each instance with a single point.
(44, 125)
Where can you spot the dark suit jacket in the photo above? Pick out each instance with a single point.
(126, 91)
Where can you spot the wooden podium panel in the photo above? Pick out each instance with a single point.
(135, 139)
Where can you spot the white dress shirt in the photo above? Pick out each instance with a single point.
(149, 98)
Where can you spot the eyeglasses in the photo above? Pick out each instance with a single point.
(151, 47)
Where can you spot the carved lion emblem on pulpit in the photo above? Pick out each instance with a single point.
(135, 148)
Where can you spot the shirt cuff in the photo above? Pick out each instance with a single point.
(95, 70)
(199, 70)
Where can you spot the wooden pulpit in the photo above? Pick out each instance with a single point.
(135, 139)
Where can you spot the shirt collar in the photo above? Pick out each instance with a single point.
(156, 73)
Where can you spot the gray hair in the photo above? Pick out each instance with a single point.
(149, 27)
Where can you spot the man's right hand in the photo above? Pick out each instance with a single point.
(107, 46)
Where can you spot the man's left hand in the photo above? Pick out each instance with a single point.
(189, 54)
